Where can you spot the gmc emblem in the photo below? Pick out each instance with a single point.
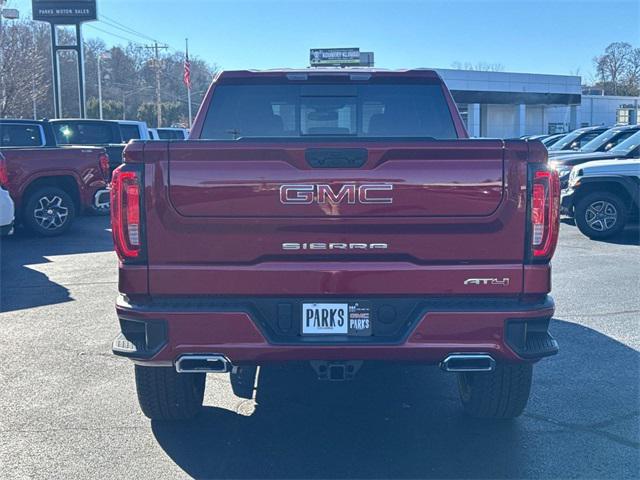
(349, 193)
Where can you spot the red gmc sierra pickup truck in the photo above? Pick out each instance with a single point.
(336, 217)
(50, 185)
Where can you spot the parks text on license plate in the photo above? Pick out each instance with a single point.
(353, 318)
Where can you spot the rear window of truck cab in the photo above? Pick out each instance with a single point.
(20, 135)
(83, 133)
(129, 132)
(336, 110)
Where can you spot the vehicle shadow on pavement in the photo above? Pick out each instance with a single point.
(24, 287)
(406, 422)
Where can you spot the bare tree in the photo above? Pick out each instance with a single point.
(631, 78)
(611, 66)
(23, 70)
(127, 81)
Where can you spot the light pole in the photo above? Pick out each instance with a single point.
(101, 56)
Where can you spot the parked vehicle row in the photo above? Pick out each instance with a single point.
(607, 139)
(599, 178)
(629, 148)
(576, 139)
(49, 184)
(585, 140)
(41, 160)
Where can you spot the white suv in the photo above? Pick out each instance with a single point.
(603, 196)
(7, 211)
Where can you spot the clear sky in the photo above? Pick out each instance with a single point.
(560, 36)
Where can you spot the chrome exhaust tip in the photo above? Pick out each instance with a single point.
(468, 362)
(214, 363)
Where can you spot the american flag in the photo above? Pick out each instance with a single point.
(187, 72)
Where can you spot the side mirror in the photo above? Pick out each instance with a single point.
(575, 145)
(608, 146)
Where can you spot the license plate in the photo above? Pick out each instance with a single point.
(352, 319)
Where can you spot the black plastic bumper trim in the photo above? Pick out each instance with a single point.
(141, 339)
(530, 338)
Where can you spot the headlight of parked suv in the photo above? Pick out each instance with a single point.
(563, 170)
(574, 177)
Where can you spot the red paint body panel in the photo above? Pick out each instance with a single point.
(215, 227)
(26, 165)
(215, 179)
(335, 277)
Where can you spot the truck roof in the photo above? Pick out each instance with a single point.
(22, 120)
(332, 71)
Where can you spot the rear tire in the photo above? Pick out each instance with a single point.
(500, 394)
(49, 211)
(600, 215)
(165, 394)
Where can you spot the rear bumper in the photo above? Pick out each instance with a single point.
(247, 332)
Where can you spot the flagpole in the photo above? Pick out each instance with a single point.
(186, 41)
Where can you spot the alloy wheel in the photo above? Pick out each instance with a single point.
(601, 215)
(50, 213)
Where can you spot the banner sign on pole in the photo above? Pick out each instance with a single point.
(64, 12)
(334, 56)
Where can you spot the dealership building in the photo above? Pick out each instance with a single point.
(502, 104)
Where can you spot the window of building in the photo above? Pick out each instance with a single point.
(622, 116)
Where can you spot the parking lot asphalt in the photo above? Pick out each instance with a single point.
(68, 407)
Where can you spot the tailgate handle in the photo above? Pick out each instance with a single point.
(336, 157)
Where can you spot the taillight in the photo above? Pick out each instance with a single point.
(103, 161)
(4, 174)
(545, 213)
(126, 204)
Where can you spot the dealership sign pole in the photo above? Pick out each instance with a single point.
(66, 12)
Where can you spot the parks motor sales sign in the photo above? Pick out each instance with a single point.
(64, 12)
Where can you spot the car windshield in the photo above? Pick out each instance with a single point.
(345, 110)
(566, 140)
(550, 140)
(626, 147)
(610, 137)
(601, 140)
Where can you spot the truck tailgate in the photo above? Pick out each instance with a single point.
(291, 218)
